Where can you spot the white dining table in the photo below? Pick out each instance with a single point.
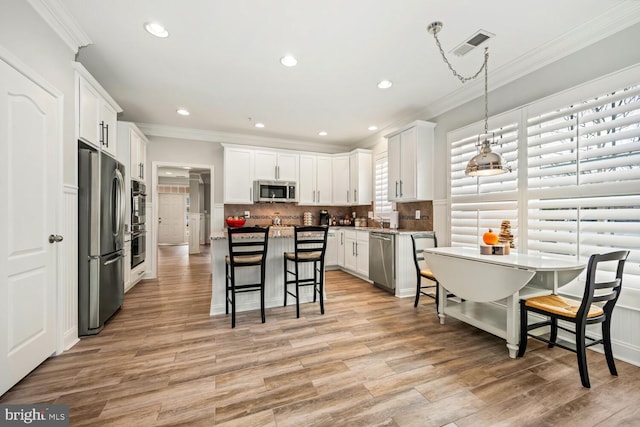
(487, 288)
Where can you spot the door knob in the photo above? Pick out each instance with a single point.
(53, 238)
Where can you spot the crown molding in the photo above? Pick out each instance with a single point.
(612, 21)
(150, 129)
(61, 21)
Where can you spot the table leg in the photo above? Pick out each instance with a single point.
(442, 303)
(513, 325)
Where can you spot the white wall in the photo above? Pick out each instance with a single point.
(161, 149)
(28, 37)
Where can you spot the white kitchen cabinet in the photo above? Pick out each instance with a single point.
(331, 254)
(127, 263)
(137, 274)
(97, 113)
(132, 150)
(274, 165)
(356, 257)
(360, 177)
(238, 176)
(314, 184)
(340, 180)
(411, 163)
(341, 247)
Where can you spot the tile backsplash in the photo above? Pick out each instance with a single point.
(291, 214)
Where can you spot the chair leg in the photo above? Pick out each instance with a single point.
(226, 288)
(262, 276)
(437, 297)
(415, 303)
(315, 279)
(233, 301)
(606, 342)
(297, 292)
(285, 281)
(554, 332)
(321, 287)
(581, 352)
(524, 320)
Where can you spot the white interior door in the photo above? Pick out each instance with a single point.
(29, 194)
(171, 218)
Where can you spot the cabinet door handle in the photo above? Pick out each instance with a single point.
(314, 196)
(318, 196)
(401, 194)
(250, 194)
(355, 195)
(356, 248)
(396, 188)
(102, 132)
(348, 194)
(107, 137)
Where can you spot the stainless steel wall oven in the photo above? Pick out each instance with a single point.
(138, 219)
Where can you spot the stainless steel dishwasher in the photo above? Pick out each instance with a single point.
(382, 261)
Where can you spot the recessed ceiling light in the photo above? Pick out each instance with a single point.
(288, 61)
(385, 84)
(168, 173)
(373, 128)
(259, 125)
(183, 112)
(156, 29)
(322, 133)
(186, 167)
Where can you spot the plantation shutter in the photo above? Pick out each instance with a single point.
(584, 179)
(382, 206)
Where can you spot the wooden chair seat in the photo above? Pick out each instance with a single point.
(244, 259)
(427, 274)
(561, 306)
(304, 256)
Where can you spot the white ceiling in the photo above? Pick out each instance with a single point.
(222, 58)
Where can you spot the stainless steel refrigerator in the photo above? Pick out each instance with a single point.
(101, 209)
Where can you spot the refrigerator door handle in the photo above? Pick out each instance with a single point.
(111, 261)
(121, 202)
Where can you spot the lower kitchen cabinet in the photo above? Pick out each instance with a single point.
(137, 274)
(127, 265)
(356, 252)
(331, 255)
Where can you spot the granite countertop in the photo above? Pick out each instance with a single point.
(287, 231)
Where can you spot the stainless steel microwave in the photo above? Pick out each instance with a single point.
(274, 191)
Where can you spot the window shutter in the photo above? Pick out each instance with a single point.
(382, 206)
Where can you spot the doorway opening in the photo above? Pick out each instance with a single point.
(182, 202)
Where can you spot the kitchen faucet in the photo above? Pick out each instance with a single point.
(380, 221)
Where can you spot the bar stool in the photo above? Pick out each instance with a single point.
(310, 244)
(580, 313)
(247, 248)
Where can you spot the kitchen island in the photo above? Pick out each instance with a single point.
(280, 241)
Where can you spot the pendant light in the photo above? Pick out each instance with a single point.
(486, 162)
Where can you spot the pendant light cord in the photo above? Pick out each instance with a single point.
(463, 79)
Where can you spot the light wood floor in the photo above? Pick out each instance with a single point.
(371, 360)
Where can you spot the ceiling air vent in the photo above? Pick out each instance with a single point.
(472, 42)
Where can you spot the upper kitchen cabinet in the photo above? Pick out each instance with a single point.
(340, 190)
(238, 177)
(133, 151)
(314, 185)
(360, 177)
(410, 155)
(275, 165)
(97, 112)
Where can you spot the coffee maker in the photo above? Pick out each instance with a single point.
(324, 217)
